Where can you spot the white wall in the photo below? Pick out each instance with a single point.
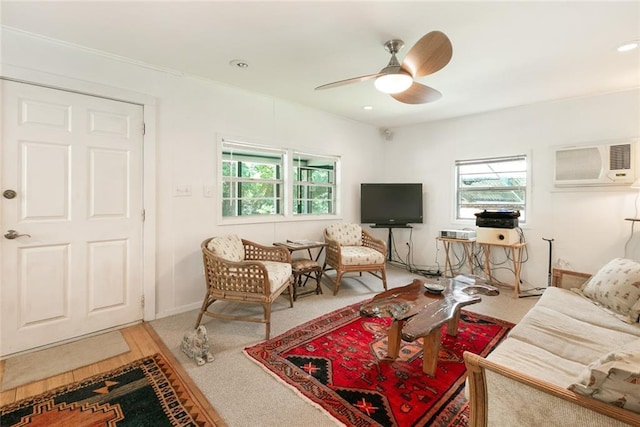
(587, 224)
(190, 112)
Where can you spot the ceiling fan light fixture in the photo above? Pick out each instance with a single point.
(393, 82)
(631, 45)
(429, 54)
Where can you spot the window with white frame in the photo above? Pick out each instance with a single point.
(314, 184)
(262, 181)
(252, 180)
(498, 183)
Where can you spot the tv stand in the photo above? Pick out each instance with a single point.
(390, 236)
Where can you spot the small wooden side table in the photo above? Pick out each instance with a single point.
(515, 251)
(304, 267)
(467, 244)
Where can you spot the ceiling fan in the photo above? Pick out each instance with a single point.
(430, 54)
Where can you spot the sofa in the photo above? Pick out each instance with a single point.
(573, 359)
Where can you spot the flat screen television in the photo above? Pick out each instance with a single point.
(391, 204)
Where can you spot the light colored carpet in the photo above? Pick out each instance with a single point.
(242, 392)
(26, 368)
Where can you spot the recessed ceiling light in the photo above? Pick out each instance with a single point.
(367, 107)
(628, 46)
(239, 63)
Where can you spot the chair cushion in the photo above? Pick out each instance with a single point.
(616, 286)
(345, 234)
(228, 247)
(360, 255)
(279, 273)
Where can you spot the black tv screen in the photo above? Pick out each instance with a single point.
(391, 204)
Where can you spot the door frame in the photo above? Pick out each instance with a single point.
(148, 103)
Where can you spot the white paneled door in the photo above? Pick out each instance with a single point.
(72, 215)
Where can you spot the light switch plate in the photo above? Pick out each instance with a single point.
(182, 191)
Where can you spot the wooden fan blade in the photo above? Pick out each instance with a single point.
(431, 53)
(417, 94)
(349, 81)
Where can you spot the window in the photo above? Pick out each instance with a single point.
(314, 184)
(264, 182)
(252, 180)
(498, 183)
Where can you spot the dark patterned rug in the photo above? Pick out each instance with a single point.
(147, 392)
(338, 361)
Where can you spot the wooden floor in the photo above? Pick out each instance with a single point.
(143, 341)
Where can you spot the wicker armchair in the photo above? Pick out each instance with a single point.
(242, 271)
(351, 249)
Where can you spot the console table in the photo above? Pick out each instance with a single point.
(515, 253)
(301, 245)
(467, 244)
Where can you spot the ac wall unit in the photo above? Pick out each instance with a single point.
(594, 165)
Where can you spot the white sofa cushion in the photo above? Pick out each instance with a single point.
(617, 287)
(614, 378)
(582, 308)
(229, 247)
(566, 337)
(536, 361)
(345, 234)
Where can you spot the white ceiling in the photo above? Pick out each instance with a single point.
(504, 53)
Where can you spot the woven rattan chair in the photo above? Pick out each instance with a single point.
(351, 249)
(242, 271)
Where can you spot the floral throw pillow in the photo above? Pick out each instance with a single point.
(616, 286)
(614, 378)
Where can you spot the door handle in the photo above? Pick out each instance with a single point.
(13, 234)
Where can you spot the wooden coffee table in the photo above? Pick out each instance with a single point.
(417, 313)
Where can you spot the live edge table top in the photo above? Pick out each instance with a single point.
(416, 313)
(418, 310)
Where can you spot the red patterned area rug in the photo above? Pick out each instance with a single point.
(147, 392)
(338, 361)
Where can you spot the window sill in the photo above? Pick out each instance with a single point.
(276, 219)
